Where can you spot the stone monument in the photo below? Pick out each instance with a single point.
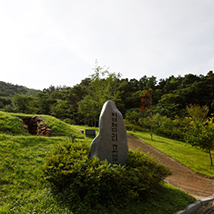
(111, 142)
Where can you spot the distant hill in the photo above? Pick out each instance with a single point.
(8, 89)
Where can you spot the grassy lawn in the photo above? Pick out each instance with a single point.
(23, 191)
(191, 157)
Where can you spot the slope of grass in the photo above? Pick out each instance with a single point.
(20, 160)
(191, 157)
(11, 125)
(59, 128)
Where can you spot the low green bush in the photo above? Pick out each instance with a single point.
(175, 134)
(69, 121)
(132, 127)
(87, 182)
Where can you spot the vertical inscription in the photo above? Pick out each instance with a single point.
(114, 138)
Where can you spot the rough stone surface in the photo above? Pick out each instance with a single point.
(111, 142)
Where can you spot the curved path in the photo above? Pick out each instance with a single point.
(182, 178)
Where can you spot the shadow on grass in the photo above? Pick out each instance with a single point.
(167, 200)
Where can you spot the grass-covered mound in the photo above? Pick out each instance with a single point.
(59, 128)
(11, 125)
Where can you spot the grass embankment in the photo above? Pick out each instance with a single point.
(194, 158)
(11, 125)
(23, 191)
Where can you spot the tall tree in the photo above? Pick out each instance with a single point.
(200, 129)
(103, 86)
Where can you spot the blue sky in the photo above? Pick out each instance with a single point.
(55, 42)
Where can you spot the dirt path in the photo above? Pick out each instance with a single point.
(182, 178)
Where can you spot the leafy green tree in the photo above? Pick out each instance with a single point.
(200, 130)
(88, 113)
(169, 105)
(151, 83)
(5, 100)
(8, 108)
(73, 96)
(133, 116)
(59, 109)
(189, 79)
(24, 104)
(147, 105)
(202, 135)
(143, 83)
(103, 86)
(44, 102)
(133, 101)
(198, 113)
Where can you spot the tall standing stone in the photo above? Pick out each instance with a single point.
(111, 142)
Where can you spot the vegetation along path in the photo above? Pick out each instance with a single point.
(182, 178)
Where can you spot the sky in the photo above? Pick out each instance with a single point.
(57, 42)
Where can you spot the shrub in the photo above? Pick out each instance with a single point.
(132, 127)
(69, 121)
(82, 180)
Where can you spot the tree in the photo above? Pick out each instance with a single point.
(147, 105)
(200, 131)
(151, 82)
(202, 135)
(87, 108)
(59, 109)
(169, 105)
(73, 96)
(44, 102)
(103, 86)
(24, 104)
(133, 116)
(197, 112)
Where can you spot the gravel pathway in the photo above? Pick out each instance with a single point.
(182, 178)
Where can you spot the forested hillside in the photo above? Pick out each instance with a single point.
(81, 104)
(176, 107)
(7, 90)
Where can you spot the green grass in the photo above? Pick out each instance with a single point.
(59, 128)
(194, 158)
(11, 125)
(167, 201)
(21, 158)
(23, 191)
